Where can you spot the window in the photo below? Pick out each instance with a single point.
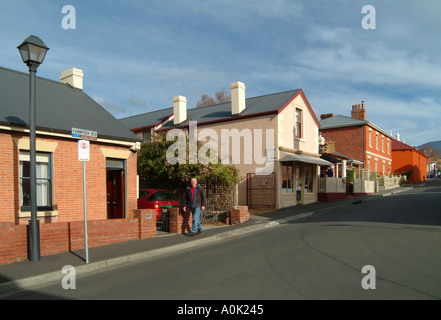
(298, 123)
(382, 144)
(370, 138)
(377, 141)
(44, 181)
(388, 146)
(287, 178)
(309, 179)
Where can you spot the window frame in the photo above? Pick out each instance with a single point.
(298, 120)
(285, 188)
(24, 156)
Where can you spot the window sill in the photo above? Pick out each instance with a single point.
(40, 214)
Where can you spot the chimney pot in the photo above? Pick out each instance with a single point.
(179, 109)
(237, 97)
(73, 77)
(358, 111)
(326, 116)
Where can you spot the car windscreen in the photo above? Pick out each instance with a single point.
(166, 196)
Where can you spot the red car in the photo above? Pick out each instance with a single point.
(155, 198)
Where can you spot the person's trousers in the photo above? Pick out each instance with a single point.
(196, 219)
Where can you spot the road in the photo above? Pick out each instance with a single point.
(320, 257)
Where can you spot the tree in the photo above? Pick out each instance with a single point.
(430, 152)
(207, 100)
(156, 172)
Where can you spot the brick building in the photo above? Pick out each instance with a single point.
(359, 139)
(112, 169)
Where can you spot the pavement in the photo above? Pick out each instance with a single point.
(27, 274)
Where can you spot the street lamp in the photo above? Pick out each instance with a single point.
(33, 51)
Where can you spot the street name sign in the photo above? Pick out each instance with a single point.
(84, 134)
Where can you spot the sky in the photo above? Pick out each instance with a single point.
(137, 55)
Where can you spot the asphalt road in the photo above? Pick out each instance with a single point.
(321, 257)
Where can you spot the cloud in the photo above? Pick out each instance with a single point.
(337, 54)
(110, 106)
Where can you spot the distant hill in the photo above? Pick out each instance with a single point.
(435, 145)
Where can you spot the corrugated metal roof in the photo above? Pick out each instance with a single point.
(341, 121)
(59, 107)
(218, 112)
(146, 120)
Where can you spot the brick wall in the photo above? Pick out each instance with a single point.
(354, 142)
(67, 180)
(348, 140)
(68, 236)
(239, 214)
(180, 222)
(9, 194)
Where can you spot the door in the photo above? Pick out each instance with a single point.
(298, 181)
(115, 194)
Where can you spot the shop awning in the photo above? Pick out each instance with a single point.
(288, 156)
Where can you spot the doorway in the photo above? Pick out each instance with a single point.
(115, 189)
(298, 184)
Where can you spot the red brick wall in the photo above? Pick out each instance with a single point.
(354, 142)
(66, 236)
(67, 180)
(348, 140)
(180, 222)
(9, 192)
(239, 214)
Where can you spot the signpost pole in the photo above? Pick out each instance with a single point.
(86, 240)
(84, 156)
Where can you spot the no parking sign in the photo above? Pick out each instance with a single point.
(83, 150)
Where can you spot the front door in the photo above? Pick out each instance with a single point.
(115, 194)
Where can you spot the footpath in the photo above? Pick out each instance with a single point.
(27, 274)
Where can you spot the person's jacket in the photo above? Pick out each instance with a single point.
(199, 197)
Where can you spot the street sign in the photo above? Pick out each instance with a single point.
(84, 134)
(83, 150)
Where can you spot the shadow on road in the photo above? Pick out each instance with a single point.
(10, 291)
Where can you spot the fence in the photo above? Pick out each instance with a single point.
(219, 200)
(364, 182)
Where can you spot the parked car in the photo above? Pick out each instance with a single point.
(155, 199)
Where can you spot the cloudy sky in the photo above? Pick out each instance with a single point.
(138, 54)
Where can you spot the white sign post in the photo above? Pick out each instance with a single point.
(84, 156)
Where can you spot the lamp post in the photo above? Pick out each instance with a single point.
(33, 51)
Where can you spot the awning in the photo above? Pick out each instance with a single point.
(288, 156)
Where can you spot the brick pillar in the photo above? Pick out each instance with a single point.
(239, 214)
(147, 222)
(180, 221)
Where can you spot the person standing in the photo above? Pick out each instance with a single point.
(195, 200)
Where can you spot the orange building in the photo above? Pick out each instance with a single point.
(409, 161)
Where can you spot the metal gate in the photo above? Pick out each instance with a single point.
(261, 191)
(163, 225)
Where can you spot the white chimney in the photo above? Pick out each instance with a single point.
(398, 136)
(73, 77)
(237, 97)
(179, 109)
